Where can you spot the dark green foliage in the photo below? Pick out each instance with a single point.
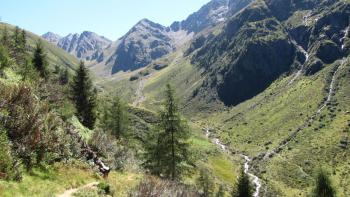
(134, 78)
(28, 71)
(167, 149)
(29, 125)
(23, 40)
(6, 161)
(4, 58)
(39, 60)
(160, 66)
(243, 186)
(221, 192)
(16, 41)
(104, 187)
(324, 186)
(205, 183)
(5, 38)
(18, 47)
(84, 97)
(64, 76)
(114, 118)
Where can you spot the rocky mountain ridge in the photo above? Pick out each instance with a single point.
(87, 46)
(146, 41)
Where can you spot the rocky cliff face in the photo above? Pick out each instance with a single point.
(210, 14)
(148, 41)
(87, 46)
(145, 42)
(265, 40)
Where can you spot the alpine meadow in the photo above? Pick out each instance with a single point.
(241, 98)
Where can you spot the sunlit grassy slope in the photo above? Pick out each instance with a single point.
(56, 55)
(261, 123)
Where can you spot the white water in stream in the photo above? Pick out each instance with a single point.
(346, 33)
(306, 54)
(256, 180)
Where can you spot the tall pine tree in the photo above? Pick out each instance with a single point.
(84, 96)
(221, 191)
(115, 118)
(16, 42)
(64, 76)
(206, 183)
(39, 60)
(167, 153)
(243, 186)
(324, 186)
(5, 38)
(4, 58)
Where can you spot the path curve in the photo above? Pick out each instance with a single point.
(70, 192)
(140, 97)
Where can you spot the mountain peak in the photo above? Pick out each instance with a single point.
(51, 37)
(148, 23)
(87, 45)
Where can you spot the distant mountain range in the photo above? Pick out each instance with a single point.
(87, 45)
(146, 41)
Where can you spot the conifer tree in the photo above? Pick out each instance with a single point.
(21, 48)
(16, 42)
(84, 96)
(64, 76)
(221, 192)
(115, 119)
(39, 60)
(4, 58)
(167, 154)
(23, 40)
(243, 186)
(5, 38)
(324, 186)
(205, 182)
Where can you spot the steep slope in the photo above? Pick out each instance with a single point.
(259, 44)
(148, 41)
(210, 14)
(288, 58)
(87, 46)
(56, 56)
(145, 42)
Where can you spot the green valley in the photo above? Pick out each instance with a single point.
(243, 98)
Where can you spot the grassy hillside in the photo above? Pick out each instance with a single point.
(56, 55)
(280, 127)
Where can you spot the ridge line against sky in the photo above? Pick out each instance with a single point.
(109, 18)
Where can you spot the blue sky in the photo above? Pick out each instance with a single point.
(110, 18)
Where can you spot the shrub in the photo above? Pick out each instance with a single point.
(34, 132)
(104, 188)
(6, 161)
(4, 58)
(134, 78)
(116, 155)
(152, 186)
